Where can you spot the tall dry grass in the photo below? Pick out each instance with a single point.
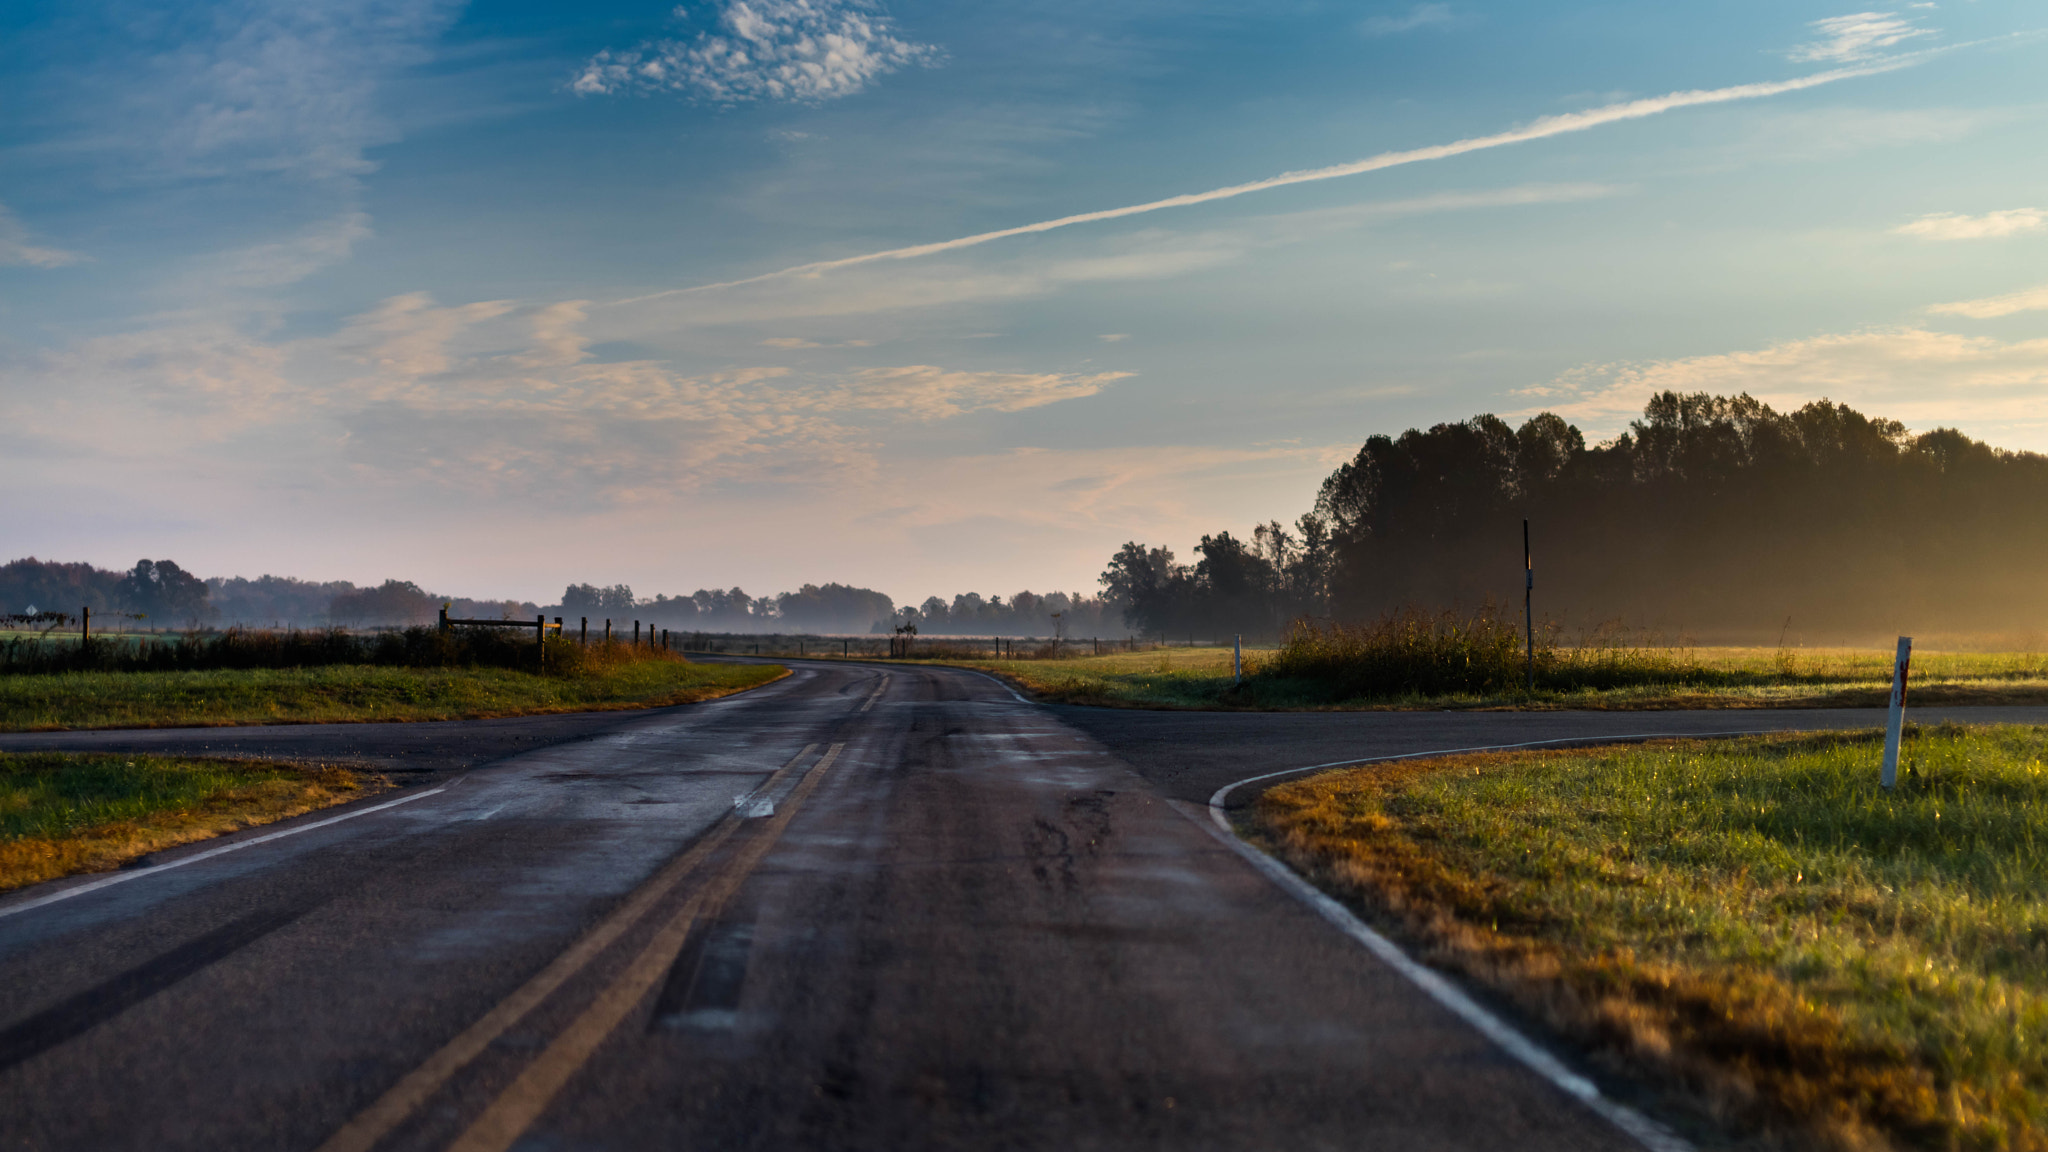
(1415, 652)
(246, 649)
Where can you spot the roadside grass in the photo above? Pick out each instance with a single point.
(1754, 923)
(1199, 678)
(356, 692)
(66, 813)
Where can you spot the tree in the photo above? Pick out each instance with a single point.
(161, 591)
(392, 602)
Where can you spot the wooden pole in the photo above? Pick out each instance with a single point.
(85, 625)
(1529, 604)
(540, 640)
(583, 636)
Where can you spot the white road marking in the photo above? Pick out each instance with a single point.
(1223, 793)
(140, 873)
(1646, 1131)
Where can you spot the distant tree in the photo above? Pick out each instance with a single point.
(392, 602)
(163, 593)
(273, 600)
(54, 586)
(833, 608)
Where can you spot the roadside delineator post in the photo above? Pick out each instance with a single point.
(1896, 723)
(1237, 660)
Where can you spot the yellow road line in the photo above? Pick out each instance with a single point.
(526, 1098)
(402, 1099)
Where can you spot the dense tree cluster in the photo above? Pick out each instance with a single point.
(1712, 516)
(1235, 588)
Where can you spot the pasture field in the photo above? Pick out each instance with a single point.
(64, 813)
(354, 692)
(1753, 923)
(1199, 678)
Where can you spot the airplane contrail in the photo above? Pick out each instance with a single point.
(1536, 130)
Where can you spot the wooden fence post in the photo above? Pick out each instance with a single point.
(85, 625)
(583, 635)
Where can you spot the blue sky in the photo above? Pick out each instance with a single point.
(497, 298)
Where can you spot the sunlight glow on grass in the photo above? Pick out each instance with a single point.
(1756, 918)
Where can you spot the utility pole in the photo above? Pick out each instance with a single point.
(1529, 605)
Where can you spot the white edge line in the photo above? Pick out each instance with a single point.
(140, 873)
(996, 680)
(1221, 794)
(1647, 1132)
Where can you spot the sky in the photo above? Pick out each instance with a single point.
(936, 298)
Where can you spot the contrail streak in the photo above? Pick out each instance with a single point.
(1537, 130)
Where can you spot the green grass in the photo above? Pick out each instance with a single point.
(355, 692)
(1199, 678)
(64, 813)
(1755, 921)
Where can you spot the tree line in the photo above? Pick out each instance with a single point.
(165, 595)
(1711, 517)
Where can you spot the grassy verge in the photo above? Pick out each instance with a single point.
(1199, 678)
(353, 692)
(1753, 922)
(66, 813)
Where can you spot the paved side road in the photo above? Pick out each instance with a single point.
(861, 908)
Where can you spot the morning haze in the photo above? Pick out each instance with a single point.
(797, 574)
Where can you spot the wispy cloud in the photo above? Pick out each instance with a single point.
(1990, 226)
(1857, 36)
(1420, 16)
(1992, 307)
(796, 50)
(272, 87)
(1914, 374)
(1539, 129)
(282, 262)
(16, 249)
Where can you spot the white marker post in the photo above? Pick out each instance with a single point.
(1895, 729)
(1237, 660)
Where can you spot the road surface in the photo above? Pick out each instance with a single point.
(861, 908)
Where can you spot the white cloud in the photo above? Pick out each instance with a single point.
(1992, 307)
(276, 264)
(925, 392)
(1920, 376)
(16, 249)
(798, 50)
(1991, 225)
(1857, 36)
(496, 400)
(1420, 16)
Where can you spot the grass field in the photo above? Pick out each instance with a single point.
(352, 692)
(66, 813)
(1704, 678)
(1756, 923)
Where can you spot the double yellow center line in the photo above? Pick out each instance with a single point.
(521, 1103)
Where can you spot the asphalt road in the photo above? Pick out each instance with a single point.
(860, 908)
